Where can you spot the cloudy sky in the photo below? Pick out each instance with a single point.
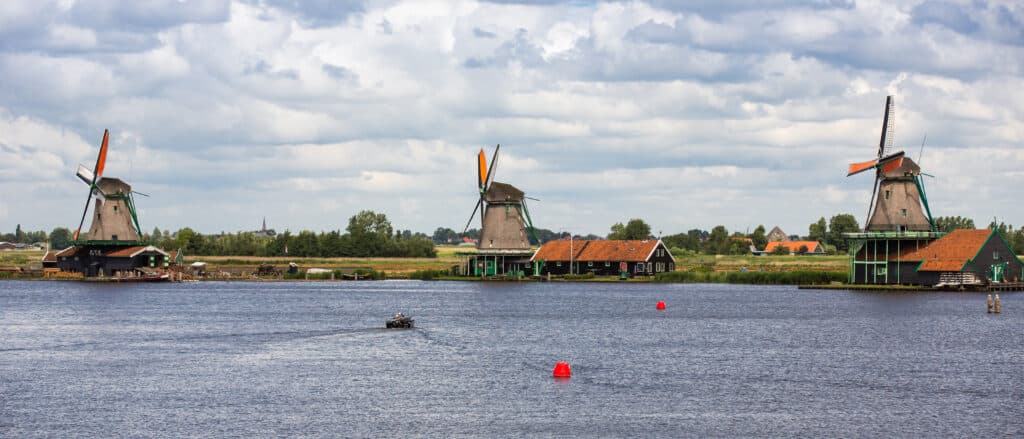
(688, 114)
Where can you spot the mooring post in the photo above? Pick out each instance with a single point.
(998, 305)
(990, 303)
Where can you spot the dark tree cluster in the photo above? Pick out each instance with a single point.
(368, 234)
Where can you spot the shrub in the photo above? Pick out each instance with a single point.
(428, 274)
(754, 277)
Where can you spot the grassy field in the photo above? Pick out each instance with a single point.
(21, 258)
(394, 267)
(765, 263)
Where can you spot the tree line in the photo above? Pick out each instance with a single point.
(371, 234)
(368, 234)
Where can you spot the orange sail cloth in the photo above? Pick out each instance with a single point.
(856, 168)
(892, 165)
(482, 172)
(102, 160)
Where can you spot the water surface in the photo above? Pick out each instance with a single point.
(312, 359)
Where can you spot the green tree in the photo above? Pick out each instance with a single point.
(950, 223)
(818, 231)
(718, 241)
(60, 238)
(156, 236)
(636, 228)
(838, 225)
(759, 238)
(444, 235)
(780, 250)
(369, 233)
(19, 235)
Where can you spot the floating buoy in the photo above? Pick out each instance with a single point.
(661, 306)
(562, 370)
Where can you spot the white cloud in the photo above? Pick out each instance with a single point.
(688, 117)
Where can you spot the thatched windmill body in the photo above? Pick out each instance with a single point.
(505, 224)
(898, 200)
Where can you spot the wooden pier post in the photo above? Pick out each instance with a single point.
(998, 305)
(990, 303)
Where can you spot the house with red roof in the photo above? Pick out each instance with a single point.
(962, 256)
(604, 257)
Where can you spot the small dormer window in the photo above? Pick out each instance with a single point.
(888, 194)
(903, 212)
(995, 255)
(113, 237)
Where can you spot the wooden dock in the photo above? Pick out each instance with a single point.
(1006, 286)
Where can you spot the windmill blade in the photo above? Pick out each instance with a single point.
(871, 206)
(84, 174)
(101, 162)
(888, 127)
(857, 168)
(921, 153)
(490, 171)
(481, 169)
(472, 215)
(84, 211)
(140, 193)
(531, 198)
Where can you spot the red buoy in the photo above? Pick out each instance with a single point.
(661, 306)
(562, 370)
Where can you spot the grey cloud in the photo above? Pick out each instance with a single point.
(317, 13)
(339, 72)
(944, 13)
(480, 33)
(147, 15)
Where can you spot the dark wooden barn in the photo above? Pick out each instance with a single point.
(604, 258)
(962, 257)
(111, 260)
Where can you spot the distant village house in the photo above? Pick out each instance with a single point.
(796, 247)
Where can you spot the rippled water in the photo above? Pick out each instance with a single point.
(311, 359)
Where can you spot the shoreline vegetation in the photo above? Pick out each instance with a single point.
(760, 270)
(824, 272)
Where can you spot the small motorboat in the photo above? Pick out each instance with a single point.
(400, 321)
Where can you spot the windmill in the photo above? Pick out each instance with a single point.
(505, 224)
(114, 218)
(898, 200)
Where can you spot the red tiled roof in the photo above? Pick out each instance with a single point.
(558, 250)
(951, 252)
(794, 246)
(124, 252)
(615, 250)
(68, 252)
(597, 251)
